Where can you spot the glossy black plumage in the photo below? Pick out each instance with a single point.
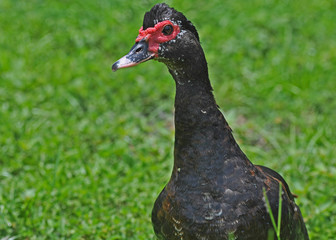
(214, 191)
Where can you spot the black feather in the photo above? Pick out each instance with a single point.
(161, 12)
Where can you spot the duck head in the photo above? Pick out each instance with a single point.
(166, 35)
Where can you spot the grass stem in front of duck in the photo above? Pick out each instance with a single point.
(268, 206)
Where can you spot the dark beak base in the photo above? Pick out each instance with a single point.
(138, 54)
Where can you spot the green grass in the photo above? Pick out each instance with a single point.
(84, 152)
(276, 224)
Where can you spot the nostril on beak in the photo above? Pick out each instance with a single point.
(138, 50)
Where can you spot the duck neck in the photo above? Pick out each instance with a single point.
(203, 138)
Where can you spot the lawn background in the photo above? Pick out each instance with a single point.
(84, 152)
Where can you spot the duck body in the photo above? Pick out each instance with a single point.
(214, 192)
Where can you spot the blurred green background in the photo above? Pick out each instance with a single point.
(84, 152)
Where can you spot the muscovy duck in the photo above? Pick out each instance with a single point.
(214, 192)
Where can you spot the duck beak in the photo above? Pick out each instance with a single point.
(139, 53)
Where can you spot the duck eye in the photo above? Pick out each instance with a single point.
(167, 30)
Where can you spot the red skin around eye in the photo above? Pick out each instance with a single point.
(154, 35)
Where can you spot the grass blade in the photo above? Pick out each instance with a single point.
(269, 209)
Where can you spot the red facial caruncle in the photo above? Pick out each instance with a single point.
(162, 32)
